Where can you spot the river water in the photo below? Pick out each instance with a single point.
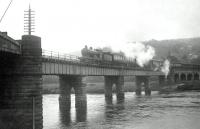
(158, 111)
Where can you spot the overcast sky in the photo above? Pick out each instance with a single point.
(67, 25)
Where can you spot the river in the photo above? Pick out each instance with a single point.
(158, 111)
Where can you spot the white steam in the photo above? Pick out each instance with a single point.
(165, 67)
(135, 50)
(142, 53)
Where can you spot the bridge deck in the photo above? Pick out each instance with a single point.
(7, 44)
(73, 66)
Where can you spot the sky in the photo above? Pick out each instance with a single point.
(68, 25)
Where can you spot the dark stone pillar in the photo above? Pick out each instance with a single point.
(145, 81)
(138, 86)
(161, 80)
(120, 87)
(147, 86)
(80, 92)
(21, 90)
(65, 93)
(108, 83)
(66, 83)
(80, 98)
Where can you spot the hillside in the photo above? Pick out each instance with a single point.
(184, 50)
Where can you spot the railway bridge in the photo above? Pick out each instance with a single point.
(23, 62)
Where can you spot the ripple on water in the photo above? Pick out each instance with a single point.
(167, 111)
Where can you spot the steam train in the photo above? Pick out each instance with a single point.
(105, 57)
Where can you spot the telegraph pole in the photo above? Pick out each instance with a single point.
(29, 21)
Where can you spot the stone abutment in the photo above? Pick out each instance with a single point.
(21, 88)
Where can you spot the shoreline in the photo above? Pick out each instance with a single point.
(181, 87)
(98, 88)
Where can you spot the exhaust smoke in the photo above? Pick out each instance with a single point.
(135, 50)
(142, 53)
(165, 67)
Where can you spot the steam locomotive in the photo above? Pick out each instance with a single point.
(105, 57)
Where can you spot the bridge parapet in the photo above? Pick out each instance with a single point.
(66, 64)
(51, 67)
(185, 67)
(57, 56)
(20, 89)
(7, 44)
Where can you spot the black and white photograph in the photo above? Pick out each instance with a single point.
(99, 64)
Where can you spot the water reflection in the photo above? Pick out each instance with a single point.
(112, 109)
(65, 114)
(120, 105)
(158, 110)
(108, 101)
(81, 114)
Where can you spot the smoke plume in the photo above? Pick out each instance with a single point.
(142, 53)
(165, 67)
(135, 50)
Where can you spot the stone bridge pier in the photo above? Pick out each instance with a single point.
(109, 81)
(20, 88)
(142, 81)
(161, 81)
(67, 82)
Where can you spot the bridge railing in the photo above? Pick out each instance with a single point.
(59, 56)
(186, 66)
(6, 37)
(10, 50)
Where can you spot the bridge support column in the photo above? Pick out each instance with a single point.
(147, 87)
(108, 83)
(21, 91)
(66, 83)
(142, 81)
(119, 82)
(80, 99)
(161, 80)
(120, 88)
(138, 86)
(65, 94)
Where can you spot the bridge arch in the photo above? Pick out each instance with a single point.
(183, 77)
(196, 76)
(189, 77)
(176, 77)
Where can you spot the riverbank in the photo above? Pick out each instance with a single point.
(94, 84)
(93, 88)
(185, 86)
